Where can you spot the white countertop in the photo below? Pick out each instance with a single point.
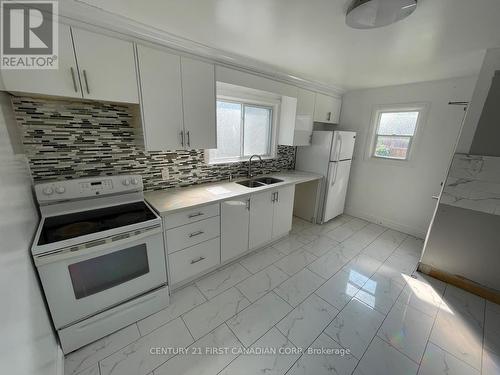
(171, 200)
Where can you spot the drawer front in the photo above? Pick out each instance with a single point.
(190, 216)
(192, 234)
(194, 260)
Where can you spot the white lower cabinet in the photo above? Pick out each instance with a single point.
(270, 215)
(283, 211)
(194, 260)
(197, 247)
(235, 219)
(261, 219)
(192, 234)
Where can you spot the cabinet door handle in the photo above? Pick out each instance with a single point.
(329, 116)
(188, 139)
(197, 260)
(182, 138)
(277, 196)
(73, 78)
(248, 204)
(195, 215)
(194, 234)
(86, 81)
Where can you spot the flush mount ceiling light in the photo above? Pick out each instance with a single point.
(369, 14)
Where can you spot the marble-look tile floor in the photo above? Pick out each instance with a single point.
(348, 286)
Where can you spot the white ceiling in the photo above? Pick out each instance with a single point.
(309, 38)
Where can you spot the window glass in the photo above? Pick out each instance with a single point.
(398, 123)
(257, 131)
(242, 130)
(228, 130)
(392, 147)
(394, 134)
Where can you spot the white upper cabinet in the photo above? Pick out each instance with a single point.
(161, 98)
(296, 120)
(107, 67)
(288, 115)
(177, 101)
(327, 109)
(235, 219)
(305, 102)
(198, 97)
(63, 81)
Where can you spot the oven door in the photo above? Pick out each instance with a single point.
(82, 282)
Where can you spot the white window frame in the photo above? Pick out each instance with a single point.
(251, 97)
(421, 108)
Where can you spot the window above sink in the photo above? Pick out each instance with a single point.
(247, 121)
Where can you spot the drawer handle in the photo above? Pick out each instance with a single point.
(196, 215)
(197, 260)
(196, 233)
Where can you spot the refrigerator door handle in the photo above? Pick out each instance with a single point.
(335, 174)
(340, 147)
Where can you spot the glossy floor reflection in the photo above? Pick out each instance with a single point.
(348, 284)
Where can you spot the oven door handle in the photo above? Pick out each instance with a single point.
(103, 246)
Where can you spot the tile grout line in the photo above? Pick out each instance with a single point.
(207, 300)
(371, 341)
(443, 349)
(178, 316)
(339, 310)
(272, 290)
(432, 329)
(184, 322)
(94, 363)
(182, 319)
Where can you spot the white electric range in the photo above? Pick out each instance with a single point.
(100, 256)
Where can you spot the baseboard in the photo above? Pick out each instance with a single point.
(461, 282)
(417, 232)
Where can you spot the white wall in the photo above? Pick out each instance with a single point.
(27, 342)
(462, 241)
(399, 194)
(491, 64)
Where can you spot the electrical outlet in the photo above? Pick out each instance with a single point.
(164, 174)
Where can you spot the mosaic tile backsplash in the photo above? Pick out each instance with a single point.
(68, 139)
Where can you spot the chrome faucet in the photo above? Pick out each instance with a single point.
(250, 175)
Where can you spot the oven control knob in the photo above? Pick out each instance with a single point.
(48, 191)
(135, 181)
(126, 182)
(60, 190)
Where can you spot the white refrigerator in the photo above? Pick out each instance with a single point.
(329, 154)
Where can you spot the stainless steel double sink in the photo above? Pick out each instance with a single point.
(259, 182)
